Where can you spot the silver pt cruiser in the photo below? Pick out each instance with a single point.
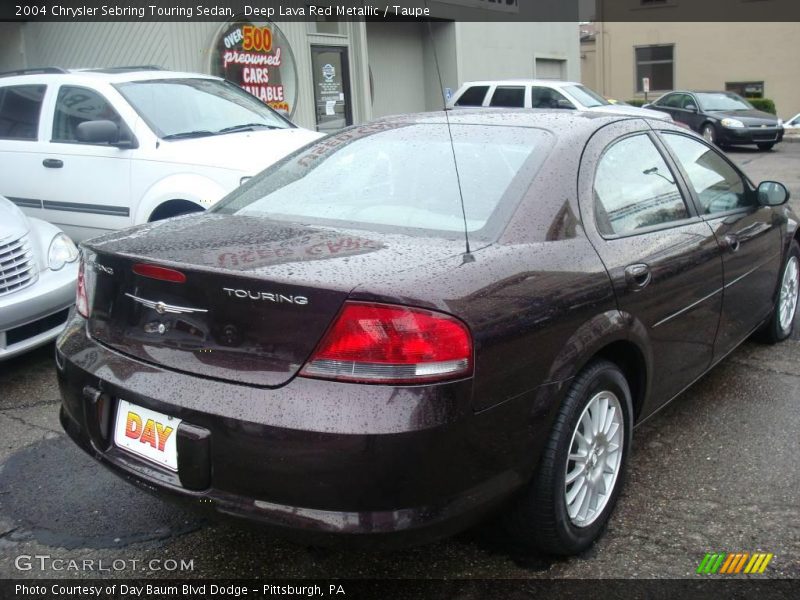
(38, 275)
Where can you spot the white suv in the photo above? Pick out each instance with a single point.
(97, 150)
(542, 93)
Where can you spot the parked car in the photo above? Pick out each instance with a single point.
(38, 274)
(365, 343)
(793, 123)
(542, 93)
(102, 149)
(723, 118)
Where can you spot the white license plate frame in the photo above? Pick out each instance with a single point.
(147, 434)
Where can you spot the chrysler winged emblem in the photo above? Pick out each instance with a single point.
(163, 308)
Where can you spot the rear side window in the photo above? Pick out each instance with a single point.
(509, 97)
(634, 188)
(76, 105)
(718, 187)
(473, 96)
(20, 108)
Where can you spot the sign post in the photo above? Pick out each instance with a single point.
(645, 86)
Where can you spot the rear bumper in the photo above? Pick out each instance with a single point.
(324, 462)
(748, 135)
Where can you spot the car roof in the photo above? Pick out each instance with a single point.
(543, 82)
(107, 75)
(551, 119)
(700, 92)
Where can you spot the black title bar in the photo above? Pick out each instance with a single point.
(402, 10)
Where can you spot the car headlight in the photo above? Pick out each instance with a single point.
(62, 251)
(732, 123)
(780, 122)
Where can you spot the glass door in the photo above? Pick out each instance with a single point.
(331, 87)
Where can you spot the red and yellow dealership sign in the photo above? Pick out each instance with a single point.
(256, 56)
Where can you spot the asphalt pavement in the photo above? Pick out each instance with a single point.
(715, 471)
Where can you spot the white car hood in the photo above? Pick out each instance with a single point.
(635, 111)
(13, 223)
(248, 152)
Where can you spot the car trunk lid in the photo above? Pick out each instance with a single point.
(256, 298)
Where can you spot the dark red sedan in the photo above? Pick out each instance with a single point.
(412, 323)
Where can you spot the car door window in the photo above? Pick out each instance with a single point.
(509, 97)
(718, 187)
(76, 105)
(670, 101)
(687, 101)
(544, 97)
(20, 108)
(634, 188)
(473, 96)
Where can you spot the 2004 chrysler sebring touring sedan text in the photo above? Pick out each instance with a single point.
(322, 351)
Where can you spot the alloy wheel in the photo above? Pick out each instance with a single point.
(595, 459)
(787, 300)
(708, 134)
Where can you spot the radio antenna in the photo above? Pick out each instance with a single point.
(468, 256)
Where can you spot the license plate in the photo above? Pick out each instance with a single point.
(147, 433)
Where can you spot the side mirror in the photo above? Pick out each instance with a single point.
(565, 104)
(103, 132)
(772, 193)
(691, 108)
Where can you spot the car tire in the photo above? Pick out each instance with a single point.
(550, 516)
(709, 134)
(765, 147)
(781, 323)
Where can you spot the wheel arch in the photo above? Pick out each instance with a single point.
(631, 361)
(619, 338)
(189, 187)
(172, 208)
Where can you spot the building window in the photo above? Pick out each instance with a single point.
(327, 26)
(747, 89)
(656, 63)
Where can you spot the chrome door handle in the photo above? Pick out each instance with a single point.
(732, 243)
(637, 276)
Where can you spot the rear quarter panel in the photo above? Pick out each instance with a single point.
(538, 303)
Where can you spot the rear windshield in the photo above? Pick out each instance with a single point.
(401, 177)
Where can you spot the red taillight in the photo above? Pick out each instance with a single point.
(81, 299)
(381, 343)
(160, 273)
